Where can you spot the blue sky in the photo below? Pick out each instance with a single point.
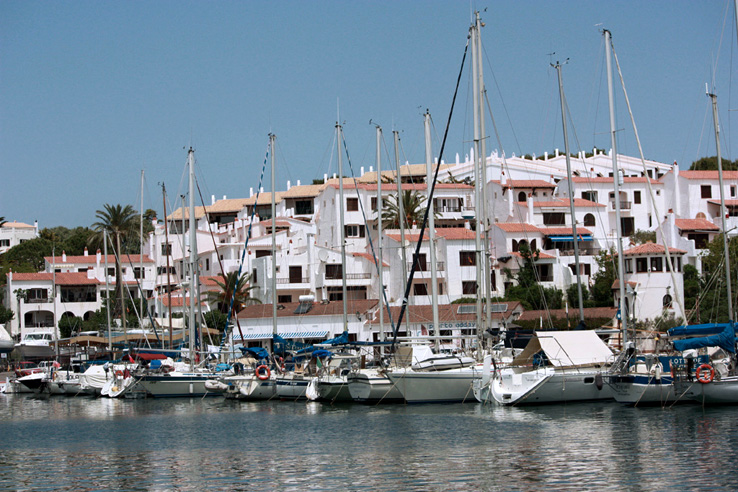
(91, 93)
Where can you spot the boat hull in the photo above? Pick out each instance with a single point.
(450, 386)
(549, 385)
(369, 386)
(176, 386)
(292, 387)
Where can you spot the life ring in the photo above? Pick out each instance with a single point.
(119, 373)
(706, 376)
(263, 375)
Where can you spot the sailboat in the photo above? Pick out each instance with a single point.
(555, 366)
(185, 379)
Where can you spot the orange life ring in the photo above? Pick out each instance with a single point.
(707, 376)
(119, 373)
(263, 375)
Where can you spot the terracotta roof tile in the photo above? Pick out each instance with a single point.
(516, 227)
(68, 278)
(560, 231)
(563, 202)
(695, 225)
(525, 183)
(732, 175)
(607, 179)
(651, 248)
(304, 191)
(17, 225)
(448, 233)
(596, 312)
(446, 313)
(92, 259)
(334, 308)
(369, 257)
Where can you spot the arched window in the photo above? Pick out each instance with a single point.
(700, 215)
(515, 246)
(533, 245)
(589, 220)
(667, 301)
(522, 197)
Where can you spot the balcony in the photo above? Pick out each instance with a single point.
(293, 280)
(623, 205)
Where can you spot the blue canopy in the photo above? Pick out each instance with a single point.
(257, 353)
(692, 330)
(725, 339)
(280, 346)
(322, 353)
(339, 340)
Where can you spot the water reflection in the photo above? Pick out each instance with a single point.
(192, 444)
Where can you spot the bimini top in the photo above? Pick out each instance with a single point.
(566, 349)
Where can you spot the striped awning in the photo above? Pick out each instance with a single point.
(267, 335)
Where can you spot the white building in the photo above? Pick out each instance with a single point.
(14, 233)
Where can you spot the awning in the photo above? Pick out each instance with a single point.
(562, 239)
(148, 356)
(268, 335)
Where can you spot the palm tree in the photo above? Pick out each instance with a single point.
(121, 224)
(231, 282)
(2, 221)
(412, 204)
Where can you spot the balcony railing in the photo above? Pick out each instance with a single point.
(440, 266)
(38, 301)
(301, 280)
(448, 208)
(623, 205)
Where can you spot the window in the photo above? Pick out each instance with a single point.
(628, 265)
(374, 203)
(420, 290)
(589, 220)
(254, 278)
(4, 242)
(260, 253)
(284, 298)
(111, 272)
(295, 275)
(522, 197)
(641, 265)
(352, 204)
(469, 288)
(207, 263)
(467, 258)
(304, 207)
(494, 280)
(706, 191)
(166, 249)
(732, 190)
(636, 197)
(589, 195)
(657, 264)
(554, 218)
(82, 270)
(667, 301)
(627, 225)
(353, 230)
(138, 273)
(37, 295)
(334, 272)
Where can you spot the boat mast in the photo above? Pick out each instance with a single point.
(107, 289)
(53, 299)
(484, 235)
(728, 272)
(140, 251)
(477, 182)
(342, 205)
(167, 252)
(400, 207)
(432, 231)
(571, 192)
(193, 255)
(616, 180)
(379, 233)
(272, 139)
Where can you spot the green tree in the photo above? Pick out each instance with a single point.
(603, 279)
(527, 290)
(69, 325)
(121, 224)
(572, 296)
(215, 319)
(2, 221)
(713, 303)
(28, 256)
(412, 206)
(710, 164)
(6, 315)
(691, 286)
(226, 286)
(642, 237)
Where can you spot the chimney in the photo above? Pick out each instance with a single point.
(557, 152)
(325, 177)
(212, 199)
(90, 273)
(361, 169)
(289, 185)
(457, 158)
(298, 182)
(64, 256)
(86, 252)
(530, 208)
(251, 192)
(98, 257)
(545, 156)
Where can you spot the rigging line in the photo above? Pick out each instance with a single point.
(368, 235)
(430, 197)
(497, 86)
(217, 254)
(243, 253)
(669, 260)
(141, 293)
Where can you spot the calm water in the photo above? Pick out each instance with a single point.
(64, 443)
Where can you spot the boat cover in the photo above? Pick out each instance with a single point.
(692, 330)
(258, 353)
(566, 349)
(725, 340)
(280, 346)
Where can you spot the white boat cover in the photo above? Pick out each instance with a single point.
(566, 349)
